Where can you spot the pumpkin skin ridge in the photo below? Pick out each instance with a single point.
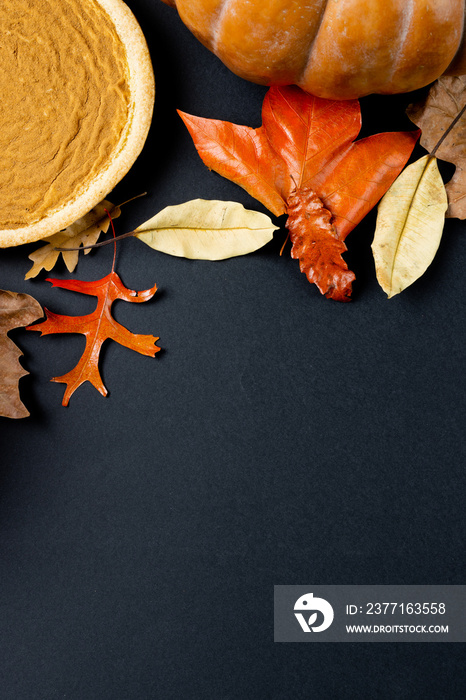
(267, 44)
(308, 56)
(404, 33)
(357, 53)
(217, 22)
(322, 92)
(457, 66)
(404, 37)
(215, 32)
(352, 63)
(446, 63)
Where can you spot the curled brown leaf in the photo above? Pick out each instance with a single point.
(16, 310)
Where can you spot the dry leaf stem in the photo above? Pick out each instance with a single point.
(447, 131)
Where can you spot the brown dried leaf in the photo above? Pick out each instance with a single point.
(16, 310)
(434, 115)
(83, 232)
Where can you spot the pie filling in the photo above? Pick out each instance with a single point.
(65, 101)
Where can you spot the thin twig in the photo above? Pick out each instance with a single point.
(98, 245)
(114, 241)
(444, 136)
(131, 199)
(110, 240)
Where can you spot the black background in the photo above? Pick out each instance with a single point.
(278, 438)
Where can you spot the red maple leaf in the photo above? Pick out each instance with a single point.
(304, 161)
(96, 327)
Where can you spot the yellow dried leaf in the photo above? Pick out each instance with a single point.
(207, 230)
(83, 232)
(409, 227)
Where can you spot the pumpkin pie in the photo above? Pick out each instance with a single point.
(76, 95)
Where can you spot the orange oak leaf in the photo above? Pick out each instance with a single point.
(96, 327)
(318, 248)
(306, 146)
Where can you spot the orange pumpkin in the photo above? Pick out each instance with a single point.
(333, 48)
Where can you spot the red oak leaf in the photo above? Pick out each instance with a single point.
(96, 327)
(303, 159)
